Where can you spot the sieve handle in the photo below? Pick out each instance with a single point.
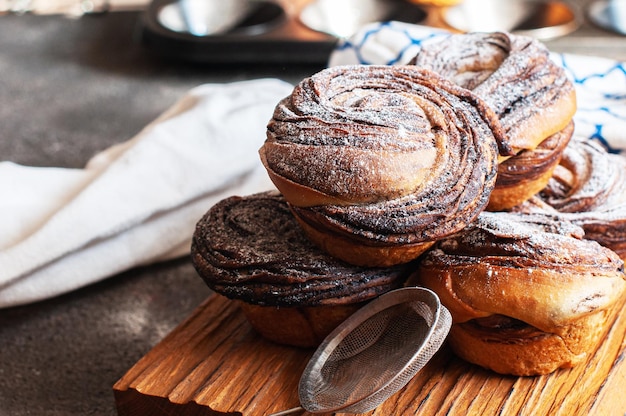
(288, 412)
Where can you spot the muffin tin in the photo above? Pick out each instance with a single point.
(307, 31)
(263, 31)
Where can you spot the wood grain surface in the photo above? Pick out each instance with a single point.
(215, 364)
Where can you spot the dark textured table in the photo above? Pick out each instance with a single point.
(70, 88)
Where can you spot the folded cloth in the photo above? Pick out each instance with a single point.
(137, 202)
(600, 83)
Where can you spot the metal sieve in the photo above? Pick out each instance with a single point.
(374, 353)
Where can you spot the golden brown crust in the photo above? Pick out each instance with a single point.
(525, 174)
(298, 194)
(535, 269)
(546, 298)
(382, 156)
(526, 351)
(363, 254)
(504, 198)
(514, 74)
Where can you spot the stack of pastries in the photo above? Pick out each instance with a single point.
(456, 172)
(527, 293)
(379, 162)
(532, 96)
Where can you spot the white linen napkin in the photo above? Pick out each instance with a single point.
(137, 202)
(600, 83)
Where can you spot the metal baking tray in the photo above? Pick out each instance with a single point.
(264, 31)
(306, 31)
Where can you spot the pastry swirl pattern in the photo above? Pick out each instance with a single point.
(251, 249)
(392, 155)
(372, 133)
(535, 268)
(588, 178)
(514, 74)
(526, 293)
(530, 165)
(524, 175)
(589, 189)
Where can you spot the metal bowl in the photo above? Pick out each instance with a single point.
(609, 14)
(542, 19)
(213, 17)
(342, 18)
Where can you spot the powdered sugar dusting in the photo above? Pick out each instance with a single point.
(378, 133)
(527, 241)
(589, 189)
(251, 248)
(513, 74)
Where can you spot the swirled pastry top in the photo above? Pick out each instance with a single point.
(514, 74)
(364, 134)
(533, 268)
(589, 188)
(251, 248)
(587, 179)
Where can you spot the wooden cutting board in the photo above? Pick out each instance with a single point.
(215, 364)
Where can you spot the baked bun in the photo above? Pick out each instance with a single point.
(251, 249)
(514, 74)
(531, 95)
(527, 294)
(589, 188)
(378, 162)
(523, 176)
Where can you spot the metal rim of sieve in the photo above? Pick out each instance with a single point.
(416, 354)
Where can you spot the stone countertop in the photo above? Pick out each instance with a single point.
(64, 82)
(71, 88)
